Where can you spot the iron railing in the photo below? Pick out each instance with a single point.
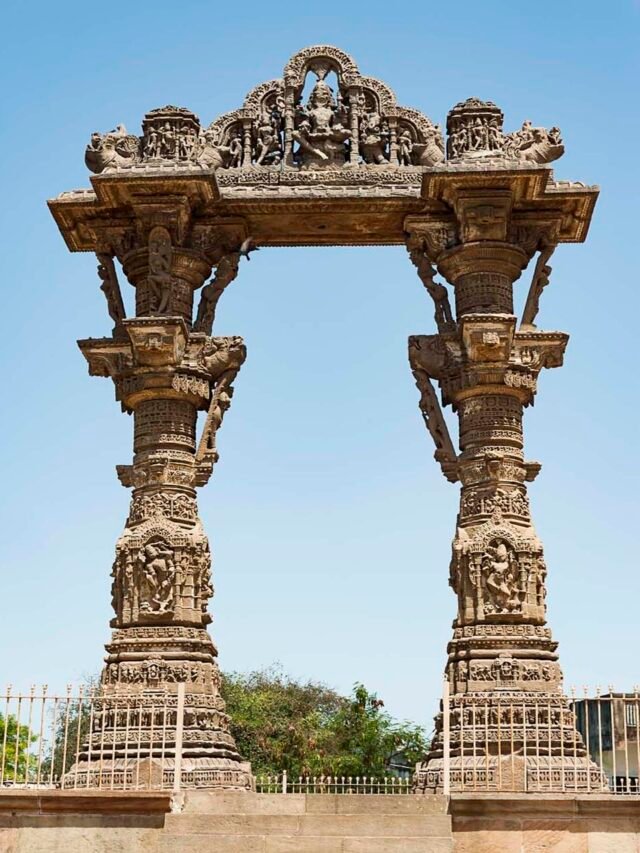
(86, 739)
(546, 743)
(283, 783)
(488, 742)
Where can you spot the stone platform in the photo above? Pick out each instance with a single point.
(118, 822)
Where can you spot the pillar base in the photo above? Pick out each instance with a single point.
(513, 773)
(159, 773)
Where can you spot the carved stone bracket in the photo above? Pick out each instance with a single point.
(445, 453)
(539, 280)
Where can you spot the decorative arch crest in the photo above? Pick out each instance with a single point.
(359, 124)
(320, 57)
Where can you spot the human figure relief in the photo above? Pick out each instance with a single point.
(499, 571)
(405, 148)
(319, 132)
(235, 151)
(269, 141)
(374, 138)
(158, 570)
(159, 279)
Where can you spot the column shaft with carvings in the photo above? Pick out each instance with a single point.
(166, 369)
(503, 672)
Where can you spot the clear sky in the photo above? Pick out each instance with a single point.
(329, 520)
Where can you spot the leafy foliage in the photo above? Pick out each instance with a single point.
(307, 728)
(71, 728)
(15, 741)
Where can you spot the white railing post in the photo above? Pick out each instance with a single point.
(446, 740)
(177, 772)
(284, 781)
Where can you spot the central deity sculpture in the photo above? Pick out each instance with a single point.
(320, 132)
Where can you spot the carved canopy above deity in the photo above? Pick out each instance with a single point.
(323, 114)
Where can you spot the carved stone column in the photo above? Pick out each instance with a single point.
(164, 374)
(502, 652)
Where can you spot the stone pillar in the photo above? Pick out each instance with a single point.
(164, 373)
(502, 652)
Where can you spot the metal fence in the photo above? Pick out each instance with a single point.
(538, 743)
(487, 742)
(85, 739)
(285, 784)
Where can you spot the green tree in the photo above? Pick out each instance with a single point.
(71, 726)
(278, 723)
(365, 737)
(307, 728)
(15, 742)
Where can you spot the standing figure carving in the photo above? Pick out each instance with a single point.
(500, 573)
(159, 280)
(158, 572)
(269, 147)
(374, 138)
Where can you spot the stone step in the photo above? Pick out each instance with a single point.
(211, 802)
(302, 844)
(357, 826)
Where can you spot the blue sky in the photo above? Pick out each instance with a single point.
(329, 521)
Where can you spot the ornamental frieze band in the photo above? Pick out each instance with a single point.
(323, 155)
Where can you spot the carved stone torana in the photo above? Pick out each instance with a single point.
(501, 653)
(324, 155)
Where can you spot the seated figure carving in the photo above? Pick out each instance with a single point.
(319, 131)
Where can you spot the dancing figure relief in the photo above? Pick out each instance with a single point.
(500, 579)
(157, 573)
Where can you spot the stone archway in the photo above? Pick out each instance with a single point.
(344, 167)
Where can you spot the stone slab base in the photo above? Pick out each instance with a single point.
(527, 823)
(298, 823)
